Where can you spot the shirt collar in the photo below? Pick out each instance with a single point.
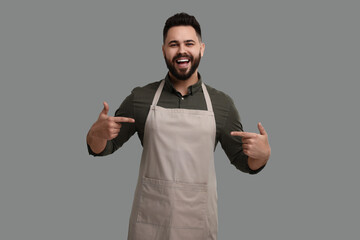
(191, 89)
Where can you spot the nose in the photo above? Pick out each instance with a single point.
(181, 48)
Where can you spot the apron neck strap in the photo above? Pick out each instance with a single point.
(206, 95)
(158, 93)
(207, 98)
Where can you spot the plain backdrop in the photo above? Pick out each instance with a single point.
(293, 65)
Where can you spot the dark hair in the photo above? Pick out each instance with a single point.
(181, 19)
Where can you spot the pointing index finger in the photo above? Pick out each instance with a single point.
(123, 119)
(242, 134)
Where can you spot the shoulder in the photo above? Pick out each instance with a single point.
(151, 87)
(146, 92)
(218, 97)
(139, 97)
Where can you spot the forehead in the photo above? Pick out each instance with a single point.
(181, 33)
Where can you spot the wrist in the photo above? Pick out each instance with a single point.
(255, 164)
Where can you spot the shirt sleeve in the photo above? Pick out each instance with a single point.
(232, 145)
(126, 109)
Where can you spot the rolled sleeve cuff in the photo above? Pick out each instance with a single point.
(241, 163)
(103, 153)
(252, 172)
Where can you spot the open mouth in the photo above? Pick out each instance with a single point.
(183, 62)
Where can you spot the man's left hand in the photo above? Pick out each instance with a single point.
(255, 146)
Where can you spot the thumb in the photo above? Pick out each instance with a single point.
(261, 129)
(105, 109)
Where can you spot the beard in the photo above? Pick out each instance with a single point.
(183, 74)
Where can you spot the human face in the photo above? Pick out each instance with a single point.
(182, 51)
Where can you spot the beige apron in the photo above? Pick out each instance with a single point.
(175, 197)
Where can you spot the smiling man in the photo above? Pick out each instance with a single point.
(179, 121)
(183, 52)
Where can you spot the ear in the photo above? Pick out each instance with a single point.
(163, 50)
(202, 48)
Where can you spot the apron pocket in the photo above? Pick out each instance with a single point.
(172, 204)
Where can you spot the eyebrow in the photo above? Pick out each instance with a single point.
(186, 41)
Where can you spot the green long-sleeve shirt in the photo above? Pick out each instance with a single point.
(137, 106)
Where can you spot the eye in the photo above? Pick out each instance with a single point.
(189, 44)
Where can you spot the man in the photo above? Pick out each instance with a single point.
(179, 121)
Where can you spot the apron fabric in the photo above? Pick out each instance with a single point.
(176, 197)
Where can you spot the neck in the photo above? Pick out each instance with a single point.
(183, 85)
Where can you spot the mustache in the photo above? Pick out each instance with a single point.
(180, 55)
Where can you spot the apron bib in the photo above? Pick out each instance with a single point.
(175, 197)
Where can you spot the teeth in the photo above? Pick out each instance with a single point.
(183, 60)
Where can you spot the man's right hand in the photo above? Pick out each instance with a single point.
(105, 128)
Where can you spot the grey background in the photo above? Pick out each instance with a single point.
(293, 65)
